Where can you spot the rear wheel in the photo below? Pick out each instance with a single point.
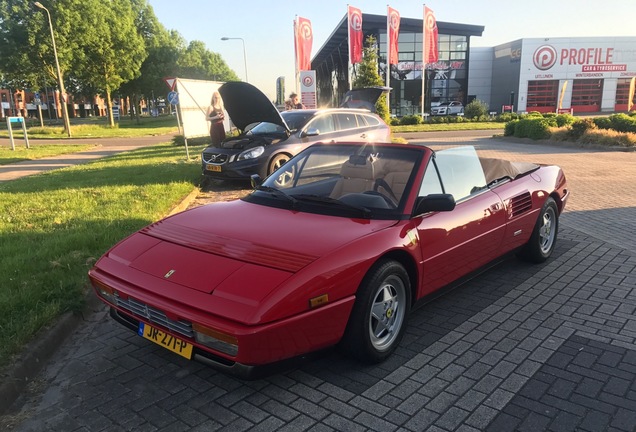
(378, 319)
(543, 238)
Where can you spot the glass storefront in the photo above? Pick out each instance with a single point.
(446, 80)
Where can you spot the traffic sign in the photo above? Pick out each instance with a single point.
(173, 98)
(170, 82)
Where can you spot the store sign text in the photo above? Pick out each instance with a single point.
(587, 56)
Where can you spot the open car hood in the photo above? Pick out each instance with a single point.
(245, 104)
(363, 97)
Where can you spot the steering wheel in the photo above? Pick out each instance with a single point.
(381, 182)
(392, 204)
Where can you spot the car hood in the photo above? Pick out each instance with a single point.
(363, 97)
(245, 104)
(221, 245)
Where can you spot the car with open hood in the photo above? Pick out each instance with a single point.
(358, 236)
(269, 138)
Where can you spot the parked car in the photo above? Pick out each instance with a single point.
(339, 255)
(269, 138)
(448, 108)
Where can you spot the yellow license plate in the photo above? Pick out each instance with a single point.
(215, 168)
(166, 340)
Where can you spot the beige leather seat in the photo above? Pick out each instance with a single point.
(356, 176)
(396, 175)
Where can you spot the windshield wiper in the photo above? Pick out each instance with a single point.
(366, 213)
(279, 194)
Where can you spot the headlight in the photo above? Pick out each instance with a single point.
(251, 153)
(106, 292)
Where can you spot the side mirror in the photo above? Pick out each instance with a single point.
(311, 132)
(255, 180)
(434, 203)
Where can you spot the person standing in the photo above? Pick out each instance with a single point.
(215, 116)
(293, 103)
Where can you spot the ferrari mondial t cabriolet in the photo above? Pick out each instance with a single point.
(339, 255)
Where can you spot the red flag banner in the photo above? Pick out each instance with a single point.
(303, 40)
(430, 37)
(393, 24)
(355, 35)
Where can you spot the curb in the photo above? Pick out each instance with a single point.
(36, 354)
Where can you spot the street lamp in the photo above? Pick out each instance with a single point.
(67, 124)
(244, 55)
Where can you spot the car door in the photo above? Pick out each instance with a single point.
(350, 129)
(460, 241)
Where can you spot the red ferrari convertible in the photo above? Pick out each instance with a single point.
(339, 255)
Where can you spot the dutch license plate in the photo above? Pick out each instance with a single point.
(215, 168)
(166, 340)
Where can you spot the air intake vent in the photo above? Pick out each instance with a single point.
(155, 316)
(521, 204)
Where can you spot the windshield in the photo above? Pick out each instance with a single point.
(351, 180)
(296, 119)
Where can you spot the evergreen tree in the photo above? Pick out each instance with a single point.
(368, 75)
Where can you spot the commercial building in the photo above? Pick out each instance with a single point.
(579, 75)
(446, 80)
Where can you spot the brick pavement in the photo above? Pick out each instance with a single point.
(521, 347)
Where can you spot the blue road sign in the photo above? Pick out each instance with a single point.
(173, 97)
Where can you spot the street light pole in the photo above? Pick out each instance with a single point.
(67, 123)
(244, 53)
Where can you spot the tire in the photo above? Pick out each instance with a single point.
(278, 161)
(379, 316)
(544, 236)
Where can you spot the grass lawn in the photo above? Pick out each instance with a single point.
(97, 127)
(55, 225)
(437, 127)
(21, 153)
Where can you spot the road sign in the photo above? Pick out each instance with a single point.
(170, 82)
(173, 98)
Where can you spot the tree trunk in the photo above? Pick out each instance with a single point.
(109, 104)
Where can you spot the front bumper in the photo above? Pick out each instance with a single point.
(263, 349)
(235, 170)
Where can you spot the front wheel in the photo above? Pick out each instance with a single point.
(287, 175)
(378, 319)
(543, 238)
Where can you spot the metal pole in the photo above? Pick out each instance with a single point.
(67, 124)
(244, 52)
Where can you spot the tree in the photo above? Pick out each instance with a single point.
(113, 49)
(26, 48)
(197, 62)
(368, 75)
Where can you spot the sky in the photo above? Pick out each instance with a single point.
(266, 27)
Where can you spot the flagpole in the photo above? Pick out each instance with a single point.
(388, 58)
(297, 73)
(349, 64)
(423, 60)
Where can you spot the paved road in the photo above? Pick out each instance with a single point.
(104, 147)
(521, 347)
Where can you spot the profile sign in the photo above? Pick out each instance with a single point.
(10, 121)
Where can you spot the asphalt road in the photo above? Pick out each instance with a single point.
(521, 347)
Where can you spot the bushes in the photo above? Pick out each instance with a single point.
(476, 109)
(411, 120)
(533, 127)
(579, 127)
(564, 119)
(623, 123)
